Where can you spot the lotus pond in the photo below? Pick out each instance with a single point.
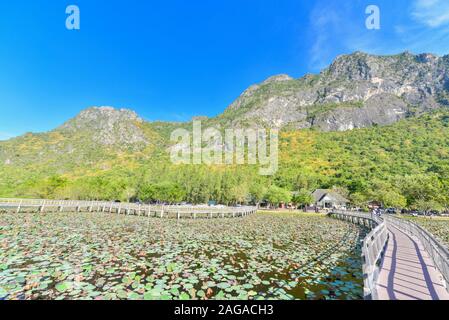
(438, 226)
(103, 256)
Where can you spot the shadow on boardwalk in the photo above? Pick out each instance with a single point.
(407, 272)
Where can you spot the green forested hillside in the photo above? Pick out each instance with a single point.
(404, 165)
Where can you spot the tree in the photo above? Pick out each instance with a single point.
(162, 192)
(276, 196)
(359, 200)
(303, 198)
(174, 193)
(420, 189)
(146, 193)
(393, 199)
(239, 193)
(387, 194)
(257, 192)
(52, 186)
(426, 206)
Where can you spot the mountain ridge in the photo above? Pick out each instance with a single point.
(357, 90)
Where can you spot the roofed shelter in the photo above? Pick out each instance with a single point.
(328, 199)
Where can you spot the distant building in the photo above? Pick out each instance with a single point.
(374, 204)
(328, 199)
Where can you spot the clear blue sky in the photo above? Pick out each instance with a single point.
(171, 60)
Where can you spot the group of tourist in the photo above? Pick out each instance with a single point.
(377, 212)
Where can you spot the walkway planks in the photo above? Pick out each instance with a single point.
(407, 272)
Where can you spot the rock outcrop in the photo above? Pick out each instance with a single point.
(356, 91)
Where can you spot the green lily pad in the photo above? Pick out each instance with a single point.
(184, 296)
(63, 286)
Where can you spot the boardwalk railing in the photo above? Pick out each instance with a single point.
(438, 252)
(178, 212)
(373, 247)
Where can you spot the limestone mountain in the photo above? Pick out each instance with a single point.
(108, 126)
(357, 91)
(95, 135)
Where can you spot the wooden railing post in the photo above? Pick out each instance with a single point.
(42, 209)
(18, 208)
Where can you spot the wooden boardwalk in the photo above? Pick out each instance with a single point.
(401, 260)
(407, 271)
(156, 211)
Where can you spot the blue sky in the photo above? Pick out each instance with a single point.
(171, 60)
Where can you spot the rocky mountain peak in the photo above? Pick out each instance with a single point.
(278, 78)
(108, 126)
(427, 58)
(94, 116)
(356, 91)
(356, 66)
